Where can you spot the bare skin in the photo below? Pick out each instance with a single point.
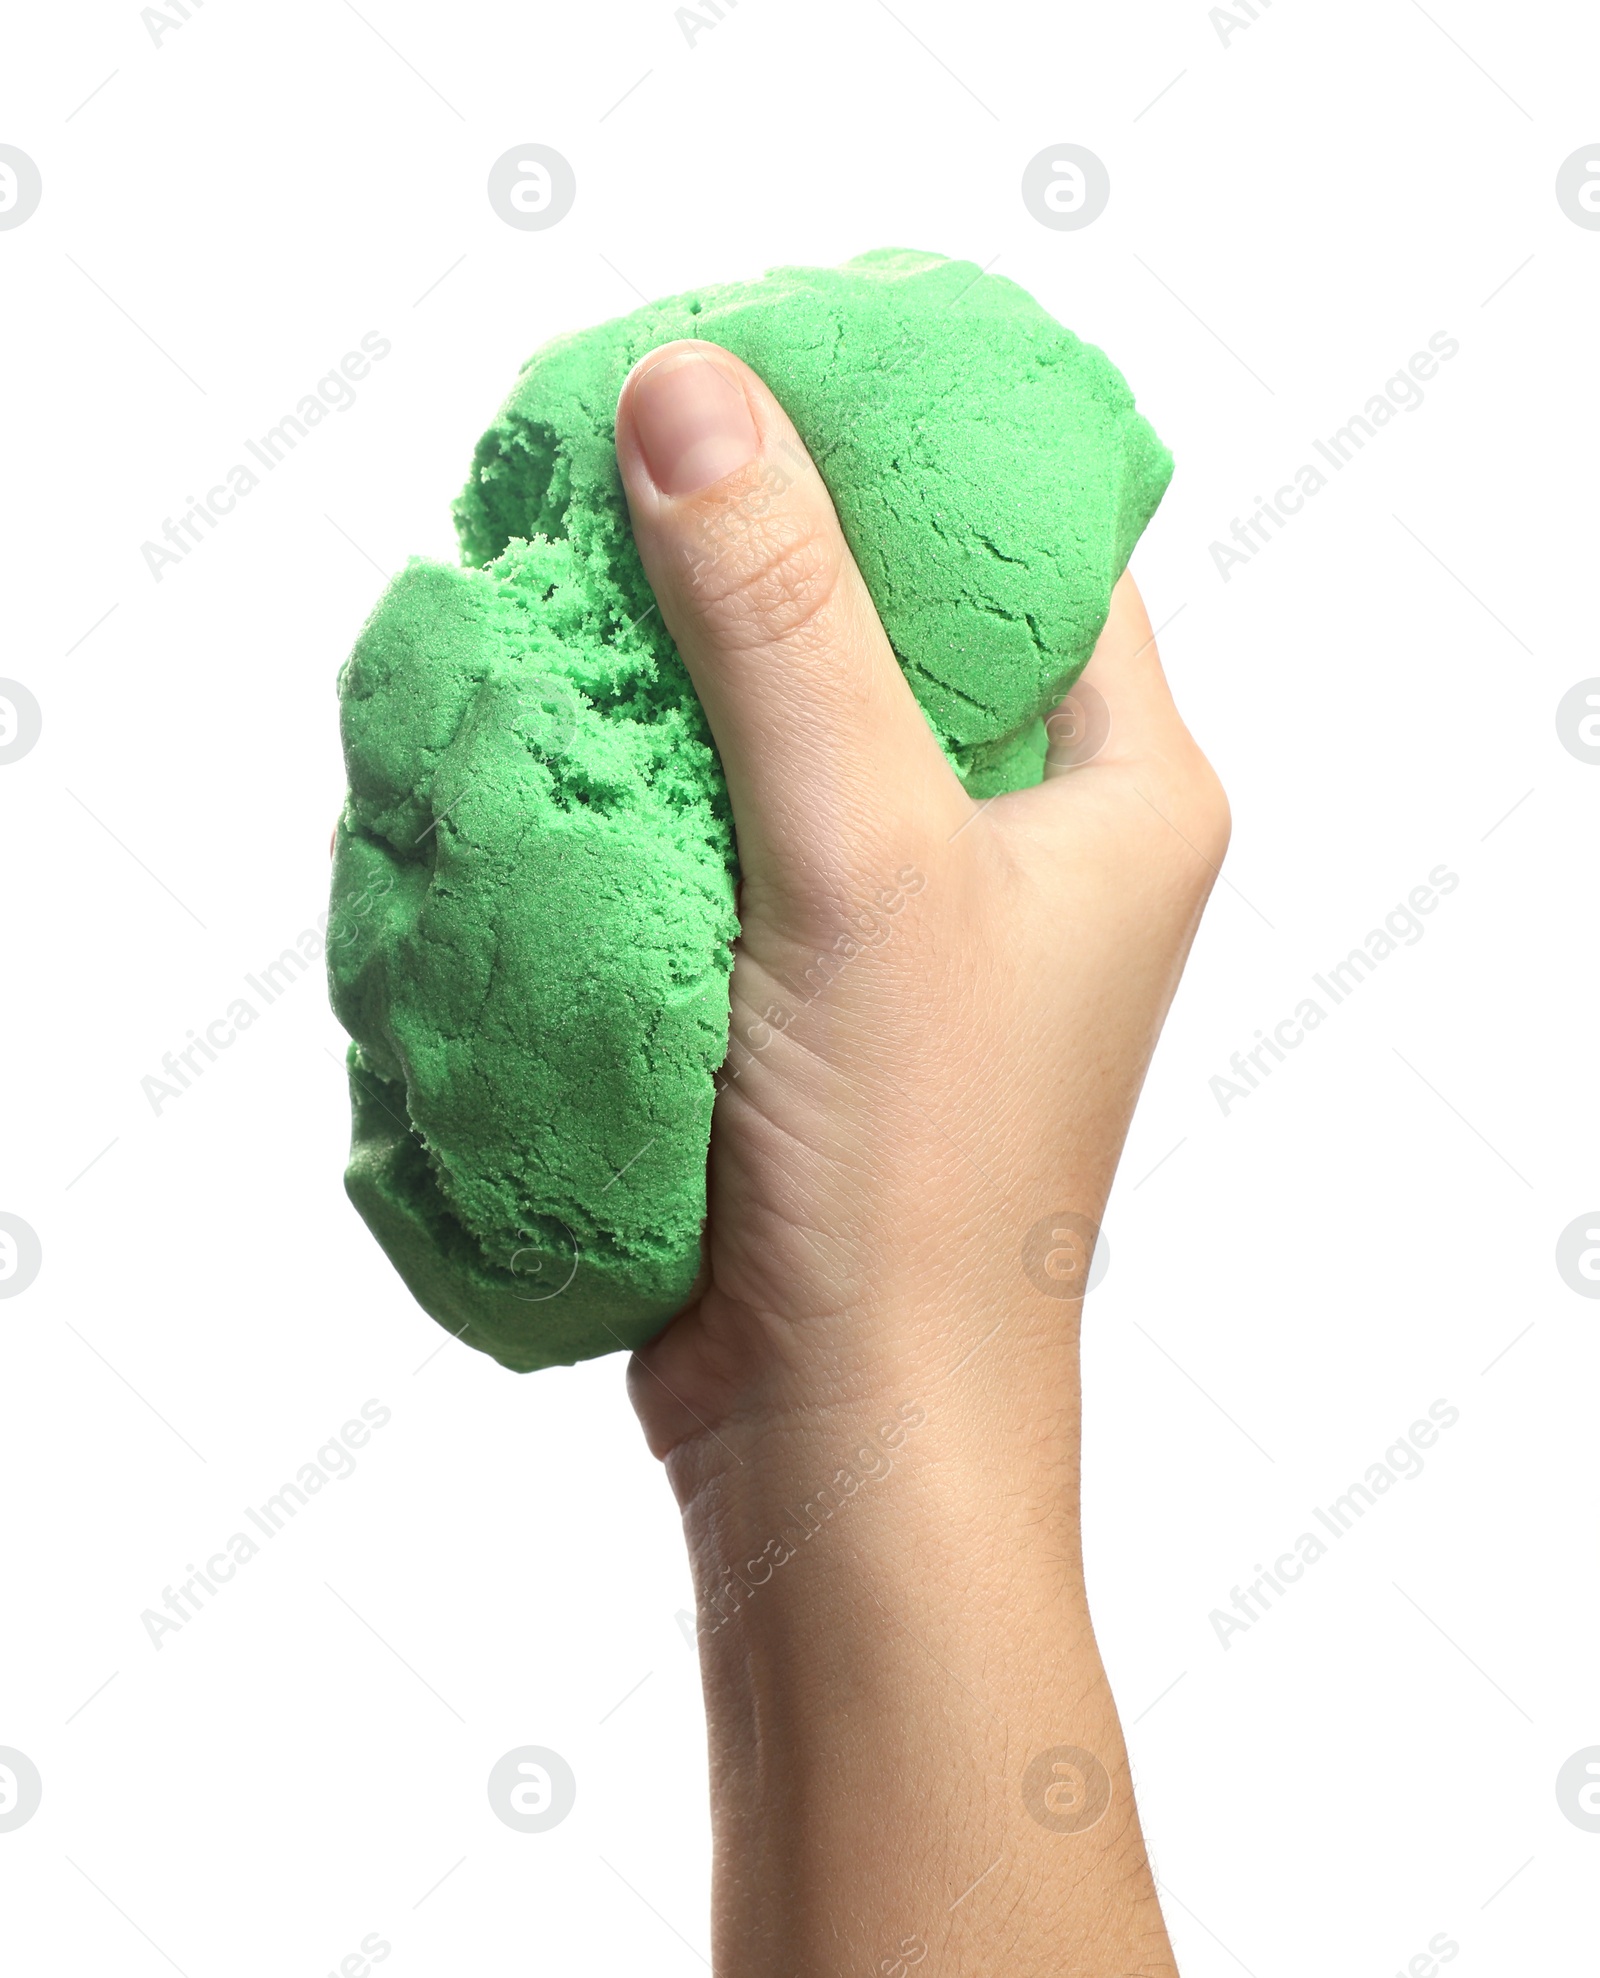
(870, 1414)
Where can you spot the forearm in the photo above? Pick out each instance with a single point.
(901, 1680)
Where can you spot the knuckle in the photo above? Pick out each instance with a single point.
(1199, 805)
(771, 580)
(1209, 808)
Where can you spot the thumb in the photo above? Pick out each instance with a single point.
(822, 741)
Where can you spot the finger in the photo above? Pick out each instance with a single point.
(1126, 742)
(822, 741)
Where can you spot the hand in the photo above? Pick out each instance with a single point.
(942, 1013)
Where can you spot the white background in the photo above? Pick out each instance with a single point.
(1370, 1231)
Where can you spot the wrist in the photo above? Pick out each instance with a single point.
(827, 1512)
(763, 1392)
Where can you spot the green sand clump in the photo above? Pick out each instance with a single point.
(533, 892)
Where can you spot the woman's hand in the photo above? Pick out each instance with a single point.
(942, 1015)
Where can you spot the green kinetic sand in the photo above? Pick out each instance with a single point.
(533, 891)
